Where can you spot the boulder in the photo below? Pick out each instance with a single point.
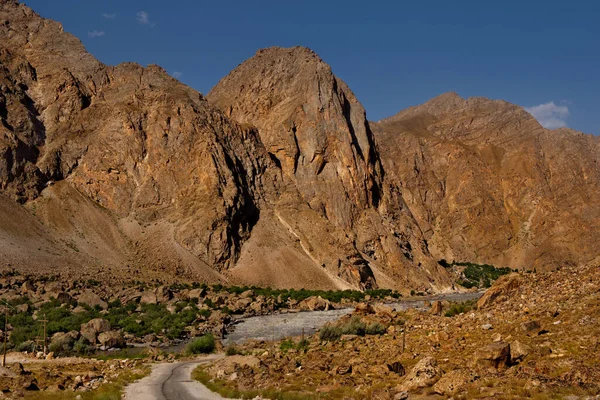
(149, 298)
(383, 311)
(502, 288)
(424, 374)
(364, 308)
(403, 395)
(531, 327)
(397, 368)
(27, 287)
(63, 342)
(22, 308)
(196, 293)
(241, 305)
(315, 303)
(343, 370)
(163, 294)
(111, 339)
(5, 372)
(518, 351)
(91, 329)
(436, 308)
(453, 381)
(92, 299)
(53, 287)
(63, 297)
(99, 325)
(495, 355)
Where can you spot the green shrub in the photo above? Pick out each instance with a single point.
(354, 326)
(287, 345)
(204, 313)
(302, 344)
(83, 347)
(480, 275)
(375, 329)
(232, 351)
(460, 308)
(330, 333)
(202, 345)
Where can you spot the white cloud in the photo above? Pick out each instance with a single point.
(549, 115)
(109, 16)
(144, 18)
(95, 34)
(177, 74)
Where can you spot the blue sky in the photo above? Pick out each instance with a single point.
(393, 54)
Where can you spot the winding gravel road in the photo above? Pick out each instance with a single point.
(172, 382)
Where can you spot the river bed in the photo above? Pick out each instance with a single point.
(280, 326)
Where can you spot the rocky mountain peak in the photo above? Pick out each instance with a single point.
(312, 126)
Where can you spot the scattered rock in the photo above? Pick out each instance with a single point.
(92, 299)
(111, 339)
(424, 374)
(149, 298)
(453, 381)
(401, 395)
(503, 287)
(436, 308)
(315, 303)
(531, 327)
(495, 355)
(397, 368)
(518, 351)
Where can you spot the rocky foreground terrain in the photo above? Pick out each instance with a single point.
(275, 178)
(530, 336)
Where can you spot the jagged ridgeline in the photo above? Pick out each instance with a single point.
(275, 178)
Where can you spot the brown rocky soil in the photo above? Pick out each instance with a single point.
(534, 336)
(28, 377)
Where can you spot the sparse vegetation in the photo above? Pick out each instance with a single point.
(202, 345)
(462, 307)
(477, 275)
(353, 326)
(232, 350)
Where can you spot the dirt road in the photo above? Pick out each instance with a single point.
(172, 382)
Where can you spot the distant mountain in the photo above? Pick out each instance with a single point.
(487, 183)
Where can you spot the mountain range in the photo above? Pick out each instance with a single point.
(274, 178)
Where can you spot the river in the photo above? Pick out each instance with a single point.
(280, 326)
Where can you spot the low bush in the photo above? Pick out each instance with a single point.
(330, 333)
(202, 345)
(232, 351)
(287, 345)
(354, 326)
(460, 308)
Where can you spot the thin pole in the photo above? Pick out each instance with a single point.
(403, 340)
(5, 335)
(45, 341)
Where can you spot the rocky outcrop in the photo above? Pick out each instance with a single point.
(486, 183)
(424, 374)
(316, 131)
(501, 290)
